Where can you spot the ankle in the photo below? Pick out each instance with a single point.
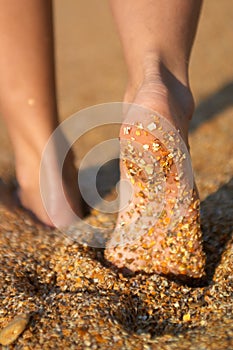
(154, 64)
(27, 172)
(157, 80)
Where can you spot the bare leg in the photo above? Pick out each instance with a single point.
(157, 38)
(28, 100)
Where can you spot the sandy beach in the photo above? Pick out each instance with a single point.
(72, 299)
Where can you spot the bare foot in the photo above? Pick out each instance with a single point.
(159, 248)
(55, 212)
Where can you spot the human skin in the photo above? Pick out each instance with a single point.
(157, 38)
(28, 105)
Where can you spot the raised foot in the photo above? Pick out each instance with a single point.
(168, 243)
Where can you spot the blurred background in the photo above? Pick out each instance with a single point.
(91, 70)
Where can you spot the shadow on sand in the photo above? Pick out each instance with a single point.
(212, 105)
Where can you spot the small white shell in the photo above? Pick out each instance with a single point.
(152, 126)
(149, 169)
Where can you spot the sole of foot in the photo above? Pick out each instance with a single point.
(163, 247)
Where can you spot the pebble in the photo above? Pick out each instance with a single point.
(13, 330)
(186, 317)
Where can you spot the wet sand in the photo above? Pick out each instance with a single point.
(74, 299)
